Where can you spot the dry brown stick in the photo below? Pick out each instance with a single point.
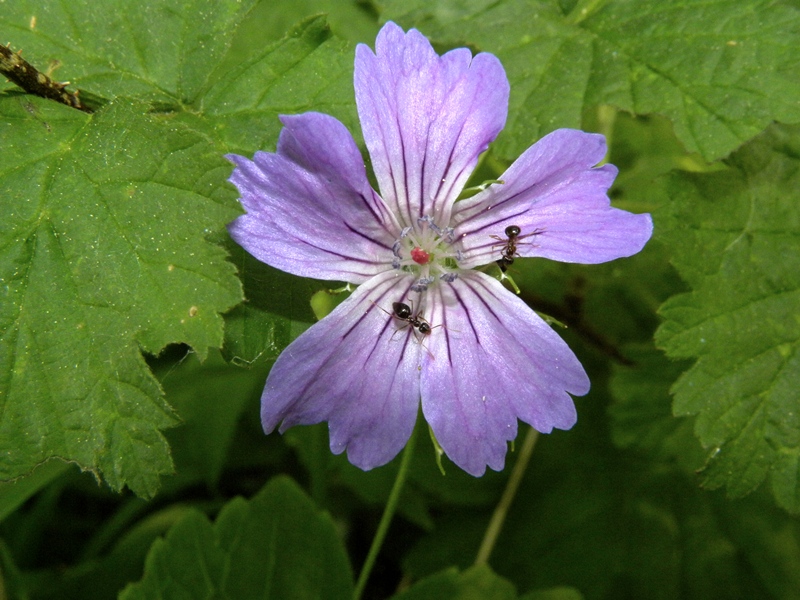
(26, 76)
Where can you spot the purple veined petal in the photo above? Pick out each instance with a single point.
(358, 369)
(554, 192)
(426, 118)
(493, 361)
(310, 208)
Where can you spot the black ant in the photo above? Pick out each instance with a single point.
(509, 250)
(404, 312)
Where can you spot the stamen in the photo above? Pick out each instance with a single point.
(422, 284)
(434, 227)
(430, 247)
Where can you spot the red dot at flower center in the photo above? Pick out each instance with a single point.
(420, 256)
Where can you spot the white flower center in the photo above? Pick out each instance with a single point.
(428, 252)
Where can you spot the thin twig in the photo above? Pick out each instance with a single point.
(570, 313)
(33, 81)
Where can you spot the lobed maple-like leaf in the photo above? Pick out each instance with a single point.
(736, 240)
(103, 253)
(109, 223)
(721, 70)
(477, 582)
(275, 545)
(154, 50)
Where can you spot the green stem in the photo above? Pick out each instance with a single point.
(499, 516)
(386, 519)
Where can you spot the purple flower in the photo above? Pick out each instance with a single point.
(472, 352)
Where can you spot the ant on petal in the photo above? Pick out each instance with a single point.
(509, 250)
(403, 312)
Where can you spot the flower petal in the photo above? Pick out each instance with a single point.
(426, 118)
(358, 369)
(494, 361)
(310, 208)
(553, 192)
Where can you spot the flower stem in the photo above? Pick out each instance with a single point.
(386, 519)
(500, 512)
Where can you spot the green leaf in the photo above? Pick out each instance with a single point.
(109, 245)
(275, 545)
(642, 415)
(103, 253)
(735, 239)
(352, 20)
(155, 50)
(476, 583)
(307, 70)
(721, 70)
